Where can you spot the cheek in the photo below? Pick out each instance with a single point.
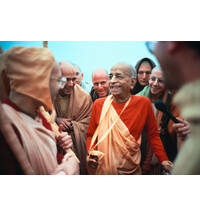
(139, 78)
(95, 88)
(148, 76)
(106, 87)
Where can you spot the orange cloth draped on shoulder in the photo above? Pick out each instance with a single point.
(137, 115)
(38, 143)
(27, 70)
(76, 106)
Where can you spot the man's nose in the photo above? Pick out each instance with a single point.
(113, 79)
(100, 86)
(155, 82)
(144, 75)
(70, 83)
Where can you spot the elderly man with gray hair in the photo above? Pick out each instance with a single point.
(114, 134)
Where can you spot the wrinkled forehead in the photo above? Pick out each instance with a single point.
(120, 69)
(100, 76)
(68, 70)
(157, 74)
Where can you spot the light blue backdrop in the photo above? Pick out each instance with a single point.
(90, 55)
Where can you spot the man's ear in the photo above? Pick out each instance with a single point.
(81, 75)
(133, 82)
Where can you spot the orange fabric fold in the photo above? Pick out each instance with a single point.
(121, 150)
(27, 70)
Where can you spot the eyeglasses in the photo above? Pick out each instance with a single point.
(72, 80)
(103, 83)
(78, 74)
(143, 72)
(151, 46)
(61, 81)
(154, 79)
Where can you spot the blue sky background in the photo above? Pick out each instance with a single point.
(90, 55)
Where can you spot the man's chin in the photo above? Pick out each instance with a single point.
(144, 84)
(64, 92)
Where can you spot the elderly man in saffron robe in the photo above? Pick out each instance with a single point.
(30, 78)
(114, 134)
(73, 106)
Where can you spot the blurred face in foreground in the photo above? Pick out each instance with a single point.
(100, 82)
(56, 81)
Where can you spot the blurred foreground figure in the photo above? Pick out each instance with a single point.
(172, 142)
(28, 144)
(180, 61)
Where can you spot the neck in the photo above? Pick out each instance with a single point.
(153, 98)
(26, 104)
(121, 100)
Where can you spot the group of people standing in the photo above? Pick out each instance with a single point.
(112, 129)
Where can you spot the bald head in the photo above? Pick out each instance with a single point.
(100, 72)
(126, 67)
(157, 69)
(69, 72)
(100, 82)
(67, 69)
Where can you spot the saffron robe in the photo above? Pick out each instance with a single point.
(138, 115)
(38, 143)
(77, 106)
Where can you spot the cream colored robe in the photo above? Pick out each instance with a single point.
(78, 107)
(121, 152)
(38, 143)
(188, 100)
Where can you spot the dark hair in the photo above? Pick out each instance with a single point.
(138, 87)
(195, 45)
